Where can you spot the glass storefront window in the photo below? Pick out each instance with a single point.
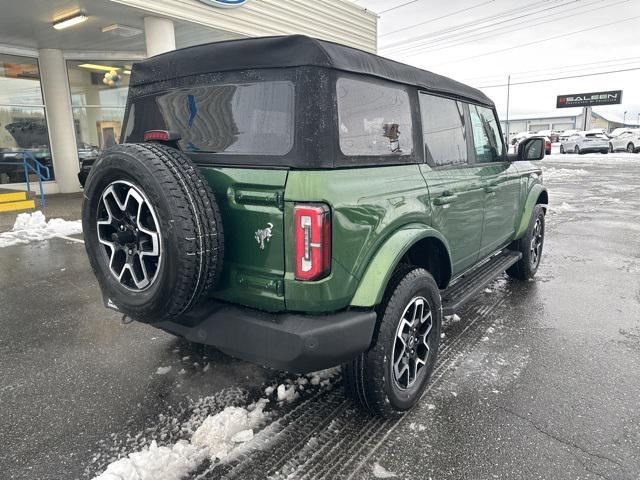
(98, 98)
(23, 125)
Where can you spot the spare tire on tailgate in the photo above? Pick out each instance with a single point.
(152, 230)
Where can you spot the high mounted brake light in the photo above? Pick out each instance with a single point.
(312, 235)
(160, 136)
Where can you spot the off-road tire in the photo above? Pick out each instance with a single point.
(631, 148)
(190, 229)
(525, 268)
(577, 151)
(611, 148)
(562, 150)
(369, 378)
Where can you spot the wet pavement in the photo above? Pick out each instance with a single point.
(536, 380)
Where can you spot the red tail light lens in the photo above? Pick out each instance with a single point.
(160, 136)
(312, 235)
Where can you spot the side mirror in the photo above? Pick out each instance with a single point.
(529, 149)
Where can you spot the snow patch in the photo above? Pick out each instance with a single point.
(452, 318)
(215, 439)
(380, 472)
(163, 370)
(287, 393)
(219, 433)
(562, 208)
(563, 173)
(168, 463)
(33, 227)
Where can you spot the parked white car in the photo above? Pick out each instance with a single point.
(585, 142)
(568, 133)
(628, 140)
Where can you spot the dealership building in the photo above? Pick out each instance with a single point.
(570, 119)
(65, 65)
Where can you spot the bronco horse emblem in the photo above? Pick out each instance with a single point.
(264, 234)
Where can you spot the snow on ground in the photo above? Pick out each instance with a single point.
(551, 173)
(380, 472)
(33, 227)
(594, 158)
(562, 208)
(213, 437)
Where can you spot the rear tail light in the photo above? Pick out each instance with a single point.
(312, 235)
(160, 136)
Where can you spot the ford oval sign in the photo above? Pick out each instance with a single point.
(225, 3)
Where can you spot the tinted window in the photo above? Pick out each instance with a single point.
(243, 118)
(486, 135)
(373, 119)
(443, 129)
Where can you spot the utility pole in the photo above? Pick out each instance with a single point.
(508, 92)
(624, 119)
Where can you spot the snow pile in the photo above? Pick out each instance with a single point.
(380, 472)
(562, 173)
(199, 434)
(33, 227)
(215, 439)
(168, 463)
(220, 433)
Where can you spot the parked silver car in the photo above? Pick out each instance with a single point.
(584, 142)
(628, 140)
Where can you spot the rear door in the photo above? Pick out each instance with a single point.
(501, 180)
(456, 188)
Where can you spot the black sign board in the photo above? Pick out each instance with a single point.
(613, 97)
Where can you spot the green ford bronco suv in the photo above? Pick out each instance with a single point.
(301, 204)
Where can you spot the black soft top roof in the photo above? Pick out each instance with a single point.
(291, 51)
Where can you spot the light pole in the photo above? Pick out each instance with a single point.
(508, 91)
(638, 121)
(624, 119)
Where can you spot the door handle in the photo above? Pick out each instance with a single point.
(446, 198)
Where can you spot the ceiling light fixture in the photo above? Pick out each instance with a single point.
(93, 66)
(70, 21)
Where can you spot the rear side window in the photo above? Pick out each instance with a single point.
(443, 130)
(374, 119)
(486, 135)
(242, 118)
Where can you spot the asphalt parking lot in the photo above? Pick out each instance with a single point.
(536, 380)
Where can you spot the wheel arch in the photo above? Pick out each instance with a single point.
(538, 195)
(419, 245)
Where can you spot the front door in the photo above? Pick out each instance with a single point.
(456, 186)
(501, 181)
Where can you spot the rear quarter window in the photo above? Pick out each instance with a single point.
(373, 119)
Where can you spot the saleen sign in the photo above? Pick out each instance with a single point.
(613, 97)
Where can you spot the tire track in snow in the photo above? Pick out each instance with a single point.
(327, 437)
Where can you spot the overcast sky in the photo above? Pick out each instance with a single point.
(480, 42)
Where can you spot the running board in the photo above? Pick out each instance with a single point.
(469, 284)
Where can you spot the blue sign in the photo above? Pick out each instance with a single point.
(225, 3)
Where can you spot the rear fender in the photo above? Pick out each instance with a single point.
(376, 277)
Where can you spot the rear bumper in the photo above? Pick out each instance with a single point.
(285, 341)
